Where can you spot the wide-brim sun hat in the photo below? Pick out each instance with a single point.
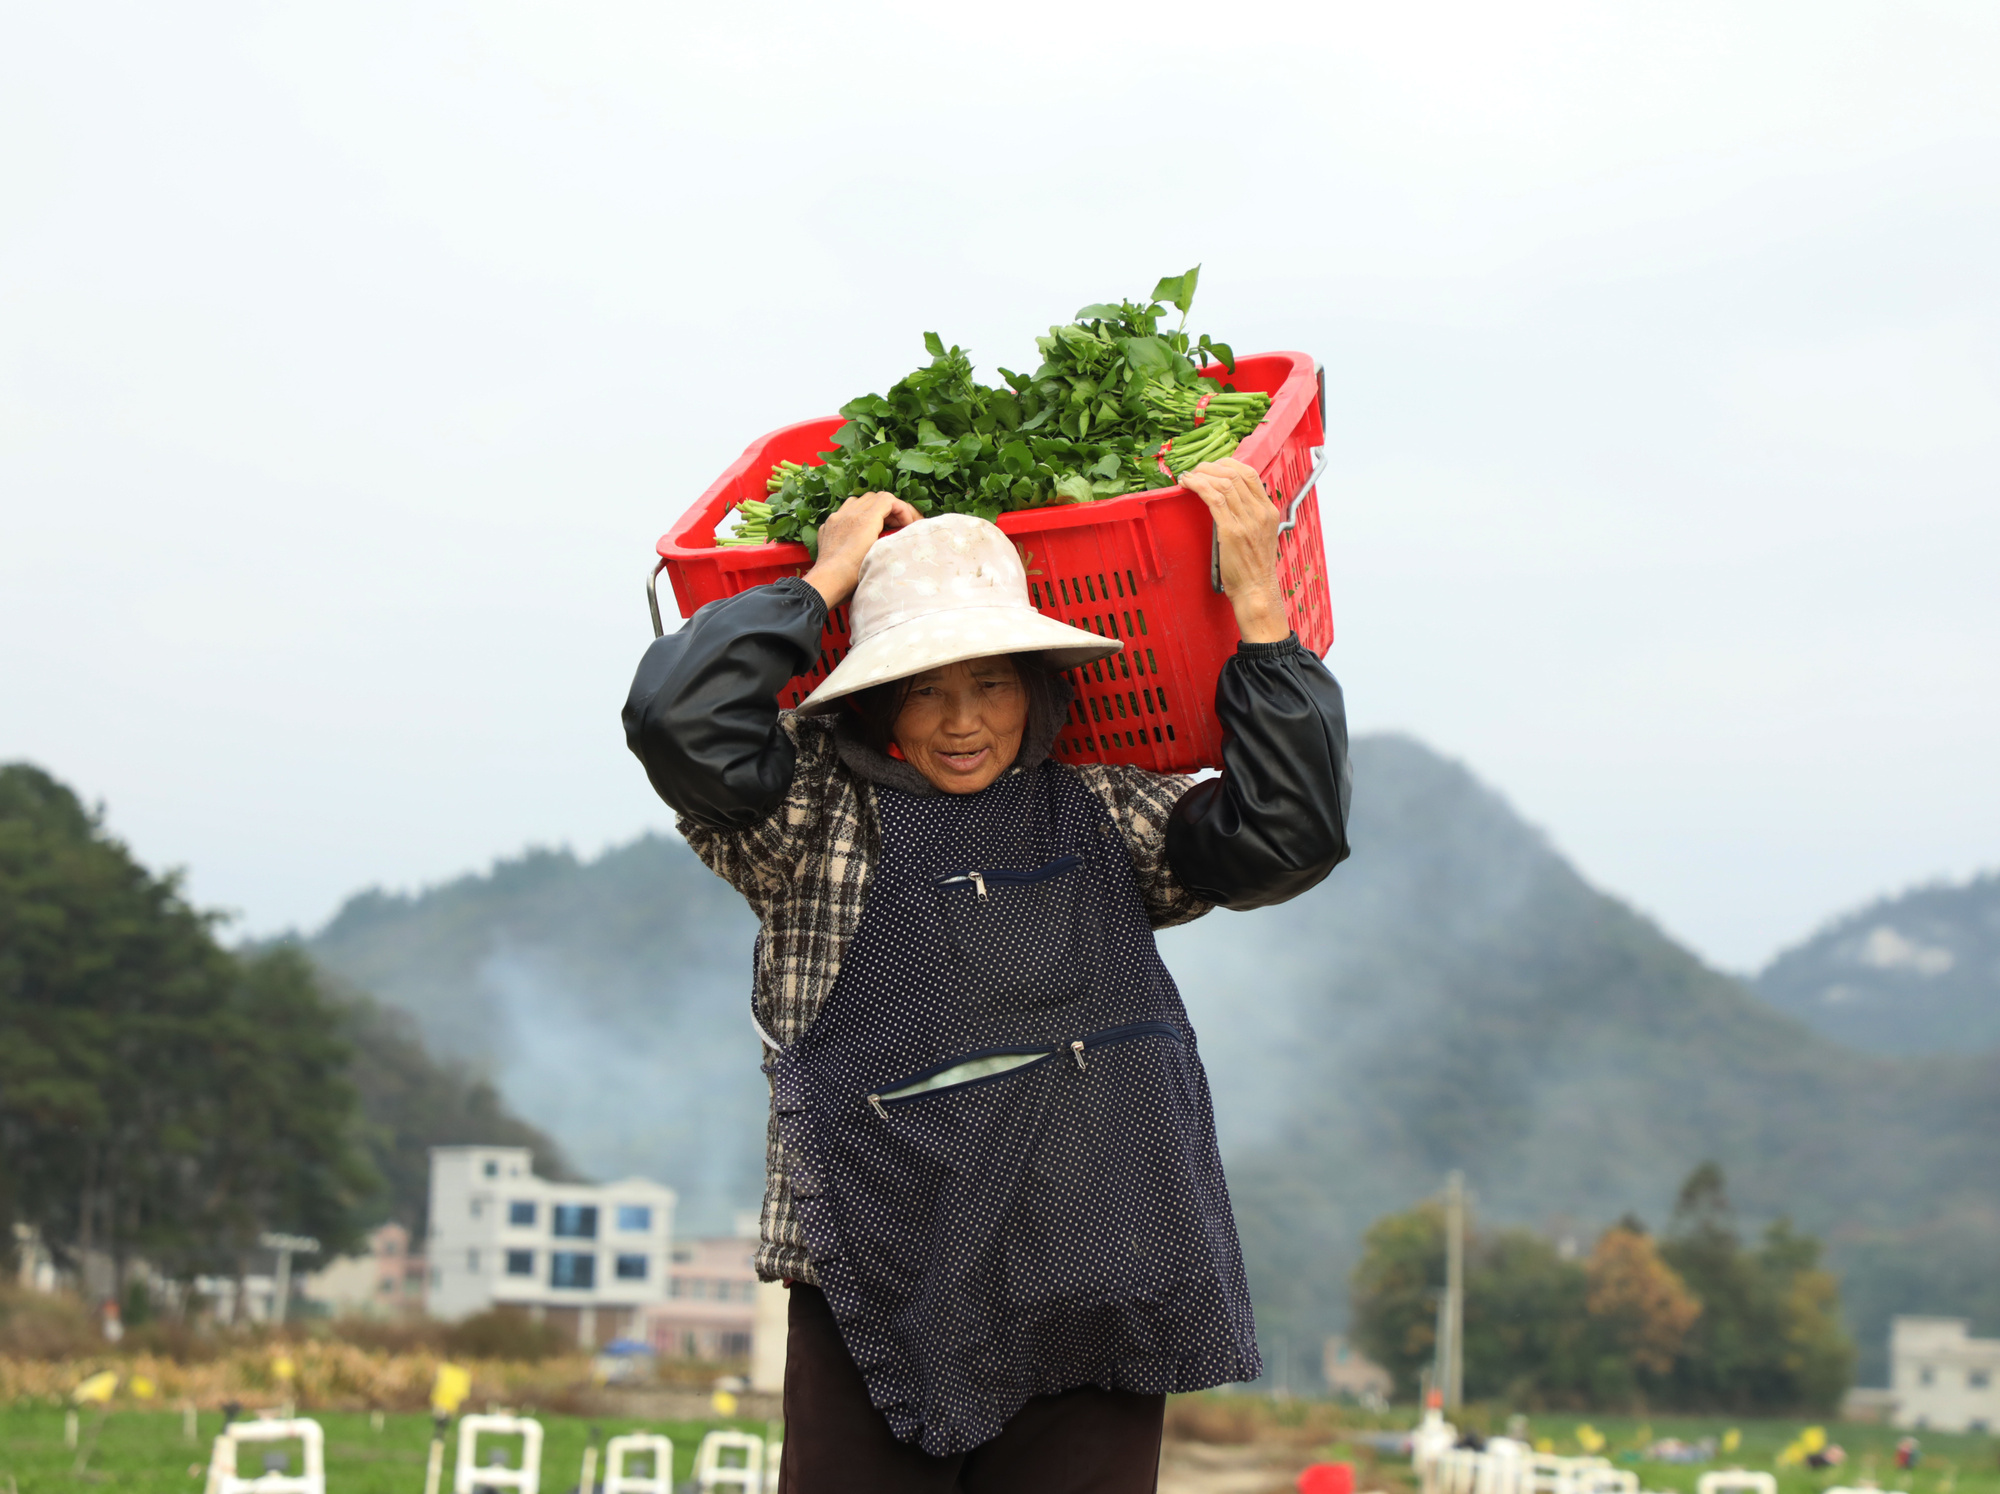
(938, 592)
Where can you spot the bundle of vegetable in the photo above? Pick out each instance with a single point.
(1117, 406)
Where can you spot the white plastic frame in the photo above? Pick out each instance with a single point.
(467, 1475)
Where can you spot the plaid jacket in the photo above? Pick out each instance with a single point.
(805, 869)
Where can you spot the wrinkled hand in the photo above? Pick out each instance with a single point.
(845, 537)
(1246, 523)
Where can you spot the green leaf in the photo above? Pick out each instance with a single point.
(1148, 357)
(850, 434)
(1100, 313)
(929, 435)
(1106, 467)
(1223, 355)
(1075, 487)
(915, 461)
(1015, 457)
(934, 344)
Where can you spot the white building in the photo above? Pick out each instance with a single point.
(1942, 1378)
(587, 1257)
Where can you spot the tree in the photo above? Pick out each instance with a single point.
(157, 1094)
(1640, 1302)
(1768, 1339)
(1640, 1312)
(281, 1141)
(1395, 1289)
(1696, 1323)
(106, 977)
(1526, 1334)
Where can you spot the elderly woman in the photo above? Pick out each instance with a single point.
(993, 1180)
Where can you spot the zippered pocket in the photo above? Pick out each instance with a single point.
(978, 1068)
(1002, 877)
(1013, 931)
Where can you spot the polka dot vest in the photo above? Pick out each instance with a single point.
(1003, 1152)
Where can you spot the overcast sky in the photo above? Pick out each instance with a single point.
(352, 356)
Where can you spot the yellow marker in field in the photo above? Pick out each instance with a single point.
(143, 1388)
(283, 1368)
(1731, 1440)
(99, 1388)
(1589, 1438)
(453, 1385)
(724, 1403)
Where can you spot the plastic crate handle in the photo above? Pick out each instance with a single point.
(1291, 521)
(653, 596)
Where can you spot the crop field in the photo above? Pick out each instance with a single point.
(145, 1452)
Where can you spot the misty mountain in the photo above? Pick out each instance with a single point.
(1454, 996)
(1918, 973)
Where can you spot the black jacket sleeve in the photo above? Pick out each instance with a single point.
(1275, 822)
(703, 712)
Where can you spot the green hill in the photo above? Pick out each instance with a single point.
(1454, 996)
(1918, 973)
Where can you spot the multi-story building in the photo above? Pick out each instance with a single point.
(711, 1307)
(586, 1257)
(1941, 1377)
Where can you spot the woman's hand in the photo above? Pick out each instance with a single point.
(1246, 523)
(845, 537)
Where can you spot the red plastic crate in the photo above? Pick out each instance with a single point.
(1136, 568)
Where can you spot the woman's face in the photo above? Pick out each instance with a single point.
(961, 724)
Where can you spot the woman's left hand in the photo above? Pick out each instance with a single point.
(1246, 523)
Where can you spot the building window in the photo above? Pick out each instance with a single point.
(493, 1169)
(475, 1208)
(521, 1211)
(634, 1218)
(575, 1269)
(631, 1268)
(1977, 1379)
(520, 1263)
(472, 1260)
(1925, 1374)
(575, 1221)
(1979, 1424)
(733, 1345)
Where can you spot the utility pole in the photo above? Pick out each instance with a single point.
(1452, 1355)
(286, 1246)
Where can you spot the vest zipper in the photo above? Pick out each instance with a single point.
(882, 1099)
(1010, 877)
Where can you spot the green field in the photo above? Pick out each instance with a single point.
(1949, 1464)
(144, 1452)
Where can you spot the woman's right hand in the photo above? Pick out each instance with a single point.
(845, 537)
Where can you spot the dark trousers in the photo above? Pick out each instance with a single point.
(1085, 1441)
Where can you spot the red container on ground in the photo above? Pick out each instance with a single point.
(1136, 568)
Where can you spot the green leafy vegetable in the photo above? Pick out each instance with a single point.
(1117, 406)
